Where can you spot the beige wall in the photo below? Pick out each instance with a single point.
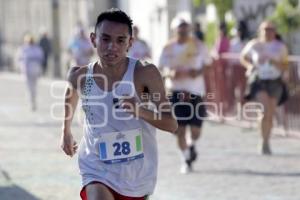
(20, 16)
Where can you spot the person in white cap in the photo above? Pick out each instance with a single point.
(183, 60)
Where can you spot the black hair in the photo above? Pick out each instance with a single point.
(278, 37)
(115, 15)
(223, 27)
(243, 29)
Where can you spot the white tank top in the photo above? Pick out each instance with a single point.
(119, 153)
(267, 71)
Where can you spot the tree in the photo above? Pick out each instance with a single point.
(222, 6)
(287, 18)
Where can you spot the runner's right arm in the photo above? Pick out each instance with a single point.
(68, 144)
(245, 57)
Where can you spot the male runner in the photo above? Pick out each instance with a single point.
(185, 58)
(118, 152)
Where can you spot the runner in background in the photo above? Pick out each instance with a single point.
(30, 58)
(183, 60)
(266, 60)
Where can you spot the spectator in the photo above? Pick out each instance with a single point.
(198, 32)
(45, 44)
(139, 49)
(80, 48)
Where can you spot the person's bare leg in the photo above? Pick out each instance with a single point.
(31, 83)
(195, 135)
(182, 143)
(98, 191)
(181, 138)
(267, 121)
(272, 103)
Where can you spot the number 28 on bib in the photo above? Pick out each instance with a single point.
(118, 147)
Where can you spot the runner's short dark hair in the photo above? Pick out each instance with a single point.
(115, 15)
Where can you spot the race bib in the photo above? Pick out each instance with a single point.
(118, 147)
(268, 71)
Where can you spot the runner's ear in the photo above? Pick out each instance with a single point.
(93, 39)
(130, 43)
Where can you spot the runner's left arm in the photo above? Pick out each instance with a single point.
(282, 63)
(161, 117)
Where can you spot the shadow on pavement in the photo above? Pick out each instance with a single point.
(10, 191)
(246, 172)
(14, 192)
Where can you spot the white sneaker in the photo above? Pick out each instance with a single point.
(185, 168)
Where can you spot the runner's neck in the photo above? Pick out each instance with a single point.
(113, 70)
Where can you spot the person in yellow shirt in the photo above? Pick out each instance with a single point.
(183, 60)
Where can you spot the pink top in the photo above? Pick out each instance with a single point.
(222, 45)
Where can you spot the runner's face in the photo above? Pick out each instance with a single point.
(183, 31)
(112, 41)
(267, 31)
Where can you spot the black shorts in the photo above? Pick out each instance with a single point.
(274, 88)
(188, 108)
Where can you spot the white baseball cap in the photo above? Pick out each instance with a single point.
(179, 20)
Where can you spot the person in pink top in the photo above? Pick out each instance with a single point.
(223, 43)
(223, 82)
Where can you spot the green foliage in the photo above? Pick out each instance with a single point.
(294, 3)
(287, 19)
(222, 6)
(197, 3)
(287, 16)
(230, 26)
(211, 33)
(212, 28)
